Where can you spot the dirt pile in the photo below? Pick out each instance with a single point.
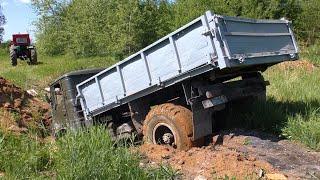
(210, 162)
(300, 64)
(21, 111)
(241, 154)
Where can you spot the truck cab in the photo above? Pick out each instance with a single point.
(66, 111)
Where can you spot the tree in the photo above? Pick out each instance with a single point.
(2, 22)
(307, 24)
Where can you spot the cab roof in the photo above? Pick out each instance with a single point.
(77, 73)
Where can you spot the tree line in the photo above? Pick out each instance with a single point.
(119, 28)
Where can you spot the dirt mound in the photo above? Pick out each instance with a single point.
(240, 154)
(210, 162)
(301, 64)
(21, 111)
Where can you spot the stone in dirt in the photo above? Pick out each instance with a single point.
(32, 92)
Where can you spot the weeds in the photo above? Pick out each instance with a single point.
(86, 154)
(23, 158)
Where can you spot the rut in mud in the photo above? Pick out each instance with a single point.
(21, 111)
(239, 154)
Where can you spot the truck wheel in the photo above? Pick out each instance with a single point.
(262, 96)
(169, 124)
(13, 56)
(33, 56)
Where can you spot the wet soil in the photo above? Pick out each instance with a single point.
(240, 154)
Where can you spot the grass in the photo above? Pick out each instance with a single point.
(78, 155)
(21, 157)
(49, 68)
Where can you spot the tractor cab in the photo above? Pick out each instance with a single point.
(21, 40)
(66, 111)
(21, 48)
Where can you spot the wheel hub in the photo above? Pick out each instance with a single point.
(168, 138)
(163, 134)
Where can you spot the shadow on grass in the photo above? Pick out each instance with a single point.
(271, 116)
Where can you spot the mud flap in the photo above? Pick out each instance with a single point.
(202, 120)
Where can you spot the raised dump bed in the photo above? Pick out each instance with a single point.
(209, 43)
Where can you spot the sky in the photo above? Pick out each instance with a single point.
(20, 17)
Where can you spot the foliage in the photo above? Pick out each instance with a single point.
(99, 27)
(267, 9)
(2, 22)
(307, 23)
(120, 28)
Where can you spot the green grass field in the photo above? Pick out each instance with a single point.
(292, 110)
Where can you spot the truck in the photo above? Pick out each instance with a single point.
(168, 91)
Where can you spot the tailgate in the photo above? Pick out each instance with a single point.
(252, 42)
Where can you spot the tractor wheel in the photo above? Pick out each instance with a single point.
(13, 56)
(169, 124)
(33, 56)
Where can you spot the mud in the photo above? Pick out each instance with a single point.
(239, 154)
(20, 111)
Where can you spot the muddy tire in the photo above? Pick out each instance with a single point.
(169, 124)
(13, 56)
(33, 56)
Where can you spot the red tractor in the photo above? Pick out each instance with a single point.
(21, 48)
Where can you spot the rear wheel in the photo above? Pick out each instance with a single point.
(13, 56)
(262, 95)
(33, 56)
(169, 124)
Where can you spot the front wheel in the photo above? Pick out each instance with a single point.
(33, 56)
(13, 56)
(169, 124)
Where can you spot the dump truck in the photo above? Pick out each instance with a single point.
(168, 91)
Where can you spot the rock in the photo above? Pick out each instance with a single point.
(261, 173)
(47, 89)
(142, 165)
(7, 105)
(276, 176)
(200, 177)
(32, 92)
(180, 162)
